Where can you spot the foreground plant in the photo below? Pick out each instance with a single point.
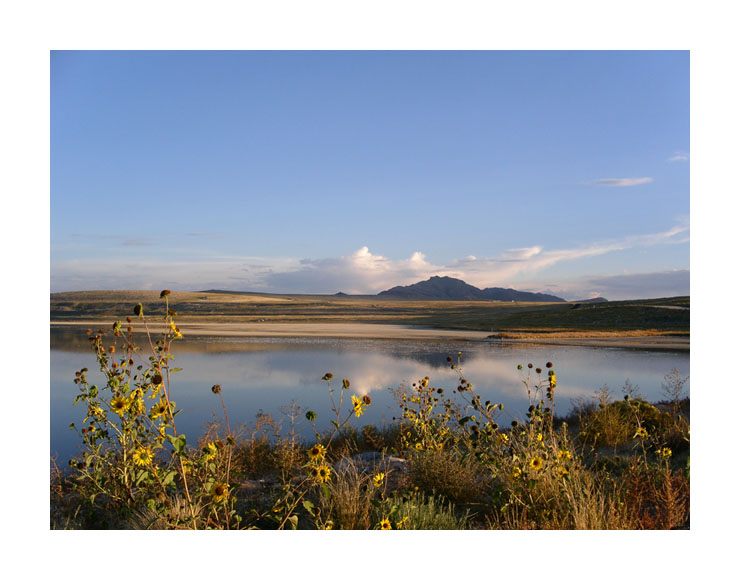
(133, 458)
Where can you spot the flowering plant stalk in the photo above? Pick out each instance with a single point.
(133, 459)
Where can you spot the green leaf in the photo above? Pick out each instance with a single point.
(141, 477)
(178, 443)
(309, 506)
(169, 477)
(325, 491)
(175, 370)
(293, 522)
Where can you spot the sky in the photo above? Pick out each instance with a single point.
(355, 171)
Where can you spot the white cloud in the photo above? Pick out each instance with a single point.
(360, 272)
(621, 181)
(679, 156)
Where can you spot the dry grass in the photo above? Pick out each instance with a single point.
(639, 316)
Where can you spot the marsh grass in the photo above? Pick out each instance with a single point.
(458, 462)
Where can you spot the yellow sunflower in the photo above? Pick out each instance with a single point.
(536, 463)
(378, 479)
(209, 451)
(219, 492)
(516, 473)
(158, 410)
(323, 473)
(143, 456)
(119, 404)
(317, 452)
(564, 454)
(358, 405)
(641, 432)
(174, 329)
(386, 524)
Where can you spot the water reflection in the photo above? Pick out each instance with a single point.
(267, 374)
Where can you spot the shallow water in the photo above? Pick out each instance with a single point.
(267, 375)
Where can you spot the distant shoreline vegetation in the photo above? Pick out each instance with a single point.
(658, 316)
(449, 460)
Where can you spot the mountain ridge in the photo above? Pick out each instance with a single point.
(447, 288)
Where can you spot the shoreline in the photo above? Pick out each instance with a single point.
(396, 332)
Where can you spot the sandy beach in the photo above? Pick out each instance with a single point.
(393, 331)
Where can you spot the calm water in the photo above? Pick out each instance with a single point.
(269, 374)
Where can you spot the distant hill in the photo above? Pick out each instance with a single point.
(446, 288)
(592, 300)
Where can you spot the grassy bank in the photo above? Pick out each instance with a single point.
(658, 317)
(449, 460)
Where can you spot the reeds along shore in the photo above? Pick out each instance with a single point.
(449, 460)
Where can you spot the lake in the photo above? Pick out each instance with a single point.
(267, 375)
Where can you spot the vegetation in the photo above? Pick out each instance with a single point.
(656, 316)
(448, 461)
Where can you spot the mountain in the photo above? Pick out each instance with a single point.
(446, 288)
(592, 300)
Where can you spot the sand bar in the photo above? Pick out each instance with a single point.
(391, 331)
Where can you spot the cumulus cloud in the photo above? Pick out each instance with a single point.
(360, 272)
(621, 181)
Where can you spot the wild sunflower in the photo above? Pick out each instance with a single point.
(400, 523)
(564, 454)
(323, 473)
(119, 404)
(209, 452)
(562, 471)
(317, 452)
(158, 410)
(143, 456)
(516, 473)
(536, 463)
(219, 492)
(386, 524)
(358, 405)
(664, 452)
(175, 330)
(378, 479)
(641, 433)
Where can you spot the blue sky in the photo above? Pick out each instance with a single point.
(300, 171)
